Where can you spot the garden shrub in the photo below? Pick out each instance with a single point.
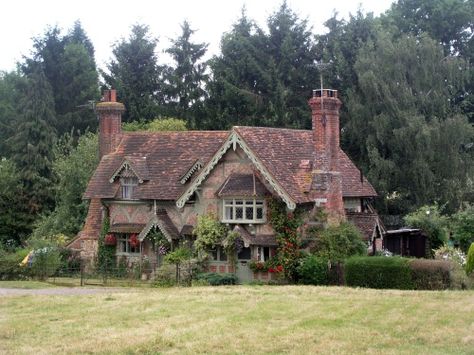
(337, 243)
(10, 268)
(46, 261)
(470, 260)
(216, 279)
(431, 274)
(378, 272)
(313, 271)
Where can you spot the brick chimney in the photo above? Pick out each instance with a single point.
(327, 179)
(110, 122)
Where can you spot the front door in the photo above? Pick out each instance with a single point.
(243, 270)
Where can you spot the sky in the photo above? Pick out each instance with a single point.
(107, 22)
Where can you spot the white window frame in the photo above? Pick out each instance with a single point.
(124, 240)
(128, 185)
(233, 204)
(261, 253)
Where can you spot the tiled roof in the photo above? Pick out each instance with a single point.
(258, 239)
(126, 228)
(242, 185)
(286, 153)
(366, 223)
(169, 156)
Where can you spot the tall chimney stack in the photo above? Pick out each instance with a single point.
(110, 122)
(327, 179)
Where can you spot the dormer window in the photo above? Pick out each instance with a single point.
(128, 185)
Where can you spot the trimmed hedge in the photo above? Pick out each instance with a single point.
(313, 271)
(402, 273)
(216, 279)
(378, 272)
(430, 274)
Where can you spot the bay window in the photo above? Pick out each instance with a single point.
(243, 211)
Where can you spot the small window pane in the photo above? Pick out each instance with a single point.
(259, 213)
(239, 213)
(266, 253)
(239, 202)
(249, 213)
(229, 213)
(223, 256)
(214, 254)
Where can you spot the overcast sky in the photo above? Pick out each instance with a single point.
(108, 21)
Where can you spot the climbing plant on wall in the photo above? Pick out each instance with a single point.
(286, 226)
(105, 253)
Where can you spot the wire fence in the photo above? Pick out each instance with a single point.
(111, 276)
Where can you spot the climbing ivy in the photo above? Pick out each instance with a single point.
(286, 226)
(105, 253)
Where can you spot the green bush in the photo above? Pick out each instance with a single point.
(216, 279)
(313, 271)
(337, 243)
(470, 260)
(431, 274)
(10, 268)
(46, 261)
(378, 272)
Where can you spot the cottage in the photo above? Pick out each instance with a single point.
(162, 181)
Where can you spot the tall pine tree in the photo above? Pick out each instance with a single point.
(185, 81)
(32, 144)
(135, 74)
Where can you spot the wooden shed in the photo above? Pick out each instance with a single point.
(406, 242)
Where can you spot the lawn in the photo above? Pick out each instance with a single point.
(240, 319)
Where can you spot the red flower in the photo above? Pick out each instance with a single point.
(110, 239)
(272, 270)
(134, 242)
(279, 268)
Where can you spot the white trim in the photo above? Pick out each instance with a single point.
(234, 139)
(196, 166)
(125, 165)
(154, 222)
(231, 202)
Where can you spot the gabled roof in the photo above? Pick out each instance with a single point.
(367, 223)
(137, 164)
(242, 185)
(169, 156)
(282, 156)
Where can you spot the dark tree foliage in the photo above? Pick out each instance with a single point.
(264, 79)
(10, 85)
(404, 131)
(15, 219)
(32, 144)
(69, 65)
(451, 22)
(135, 74)
(185, 80)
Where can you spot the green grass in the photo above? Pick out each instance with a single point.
(25, 284)
(241, 319)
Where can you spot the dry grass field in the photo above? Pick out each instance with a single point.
(240, 319)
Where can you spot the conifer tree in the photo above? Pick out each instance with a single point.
(135, 74)
(185, 81)
(32, 144)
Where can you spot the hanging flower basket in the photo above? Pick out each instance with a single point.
(134, 242)
(110, 239)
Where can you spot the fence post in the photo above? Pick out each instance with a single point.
(82, 272)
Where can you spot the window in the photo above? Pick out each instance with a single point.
(128, 184)
(263, 253)
(245, 254)
(124, 246)
(243, 211)
(218, 254)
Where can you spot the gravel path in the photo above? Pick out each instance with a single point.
(59, 291)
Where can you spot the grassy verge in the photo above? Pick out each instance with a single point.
(31, 285)
(241, 319)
